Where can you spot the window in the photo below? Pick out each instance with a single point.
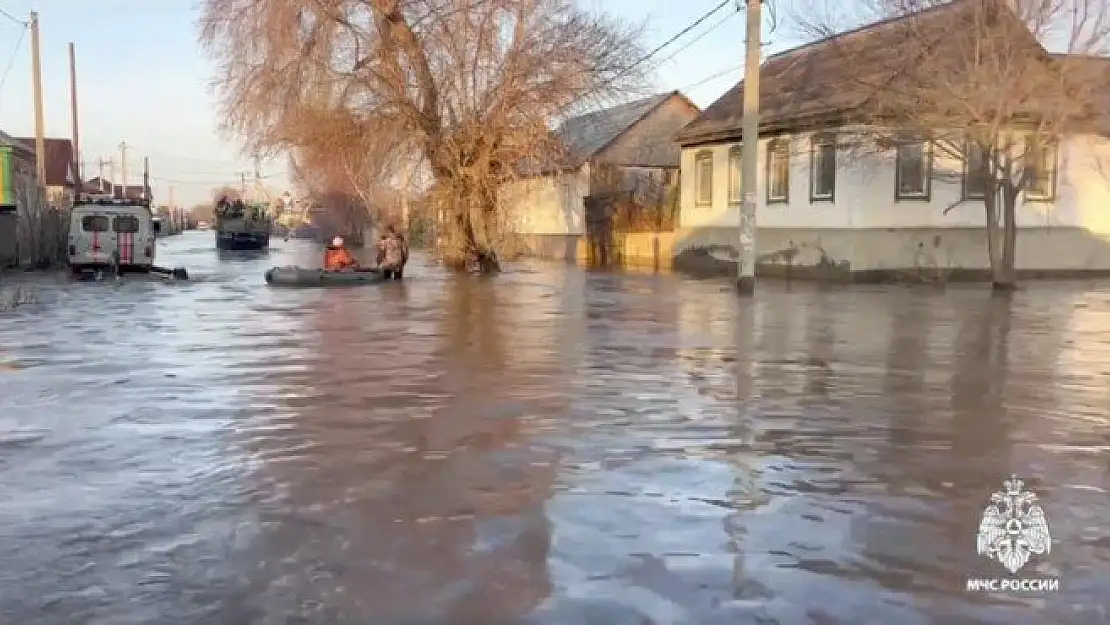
(125, 223)
(913, 170)
(703, 179)
(975, 172)
(736, 175)
(822, 169)
(778, 171)
(95, 223)
(1040, 158)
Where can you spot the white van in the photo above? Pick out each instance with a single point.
(106, 233)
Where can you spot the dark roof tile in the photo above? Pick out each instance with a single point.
(861, 74)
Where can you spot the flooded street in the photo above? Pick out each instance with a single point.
(546, 447)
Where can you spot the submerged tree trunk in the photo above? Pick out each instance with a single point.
(1001, 233)
(1003, 274)
(994, 239)
(468, 236)
(1007, 281)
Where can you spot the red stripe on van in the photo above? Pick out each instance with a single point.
(126, 247)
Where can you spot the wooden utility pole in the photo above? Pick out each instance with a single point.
(243, 185)
(73, 112)
(123, 169)
(36, 77)
(112, 182)
(745, 279)
(146, 178)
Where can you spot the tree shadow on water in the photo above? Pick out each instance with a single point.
(417, 506)
(981, 446)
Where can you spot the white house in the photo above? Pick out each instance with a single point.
(632, 141)
(822, 209)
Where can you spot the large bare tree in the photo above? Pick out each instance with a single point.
(994, 85)
(473, 85)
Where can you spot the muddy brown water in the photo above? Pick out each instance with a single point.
(550, 446)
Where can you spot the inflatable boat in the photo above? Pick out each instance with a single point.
(299, 276)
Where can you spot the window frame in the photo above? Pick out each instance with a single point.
(773, 150)
(700, 180)
(965, 179)
(85, 219)
(926, 193)
(816, 144)
(131, 218)
(1053, 149)
(736, 174)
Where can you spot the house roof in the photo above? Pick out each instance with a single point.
(131, 192)
(854, 74)
(585, 136)
(59, 160)
(8, 140)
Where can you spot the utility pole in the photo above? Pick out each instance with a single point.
(80, 174)
(146, 178)
(745, 278)
(36, 77)
(123, 169)
(257, 178)
(111, 176)
(243, 185)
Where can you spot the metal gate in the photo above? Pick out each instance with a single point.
(601, 236)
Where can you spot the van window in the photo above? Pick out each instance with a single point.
(125, 223)
(95, 223)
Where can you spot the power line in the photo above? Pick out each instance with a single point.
(643, 59)
(699, 37)
(14, 18)
(712, 77)
(668, 42)
(15, 53)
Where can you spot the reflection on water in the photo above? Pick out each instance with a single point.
(549, 446)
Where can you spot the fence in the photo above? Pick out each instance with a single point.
(34, 234)
(625, 220)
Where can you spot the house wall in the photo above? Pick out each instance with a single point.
(59, 196)
(866, 229)
(649, 142)
(547, 213)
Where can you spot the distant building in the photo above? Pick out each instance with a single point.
(60, 167)
(615, 149)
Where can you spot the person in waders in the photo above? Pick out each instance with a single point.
(393, 254)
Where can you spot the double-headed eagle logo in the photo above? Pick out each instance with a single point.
(1013, 527)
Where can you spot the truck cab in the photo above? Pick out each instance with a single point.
(111, 234)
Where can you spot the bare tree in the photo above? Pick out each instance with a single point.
(976, 79)
(470, 86)
(226, 191)
(345, 167)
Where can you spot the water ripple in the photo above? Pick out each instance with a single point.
(548, 447)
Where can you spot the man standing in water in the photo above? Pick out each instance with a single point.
(393, 253)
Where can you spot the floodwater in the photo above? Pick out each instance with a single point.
(549, 446)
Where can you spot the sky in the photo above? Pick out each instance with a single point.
(143, 79)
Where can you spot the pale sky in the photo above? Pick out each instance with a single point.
(143, 79)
